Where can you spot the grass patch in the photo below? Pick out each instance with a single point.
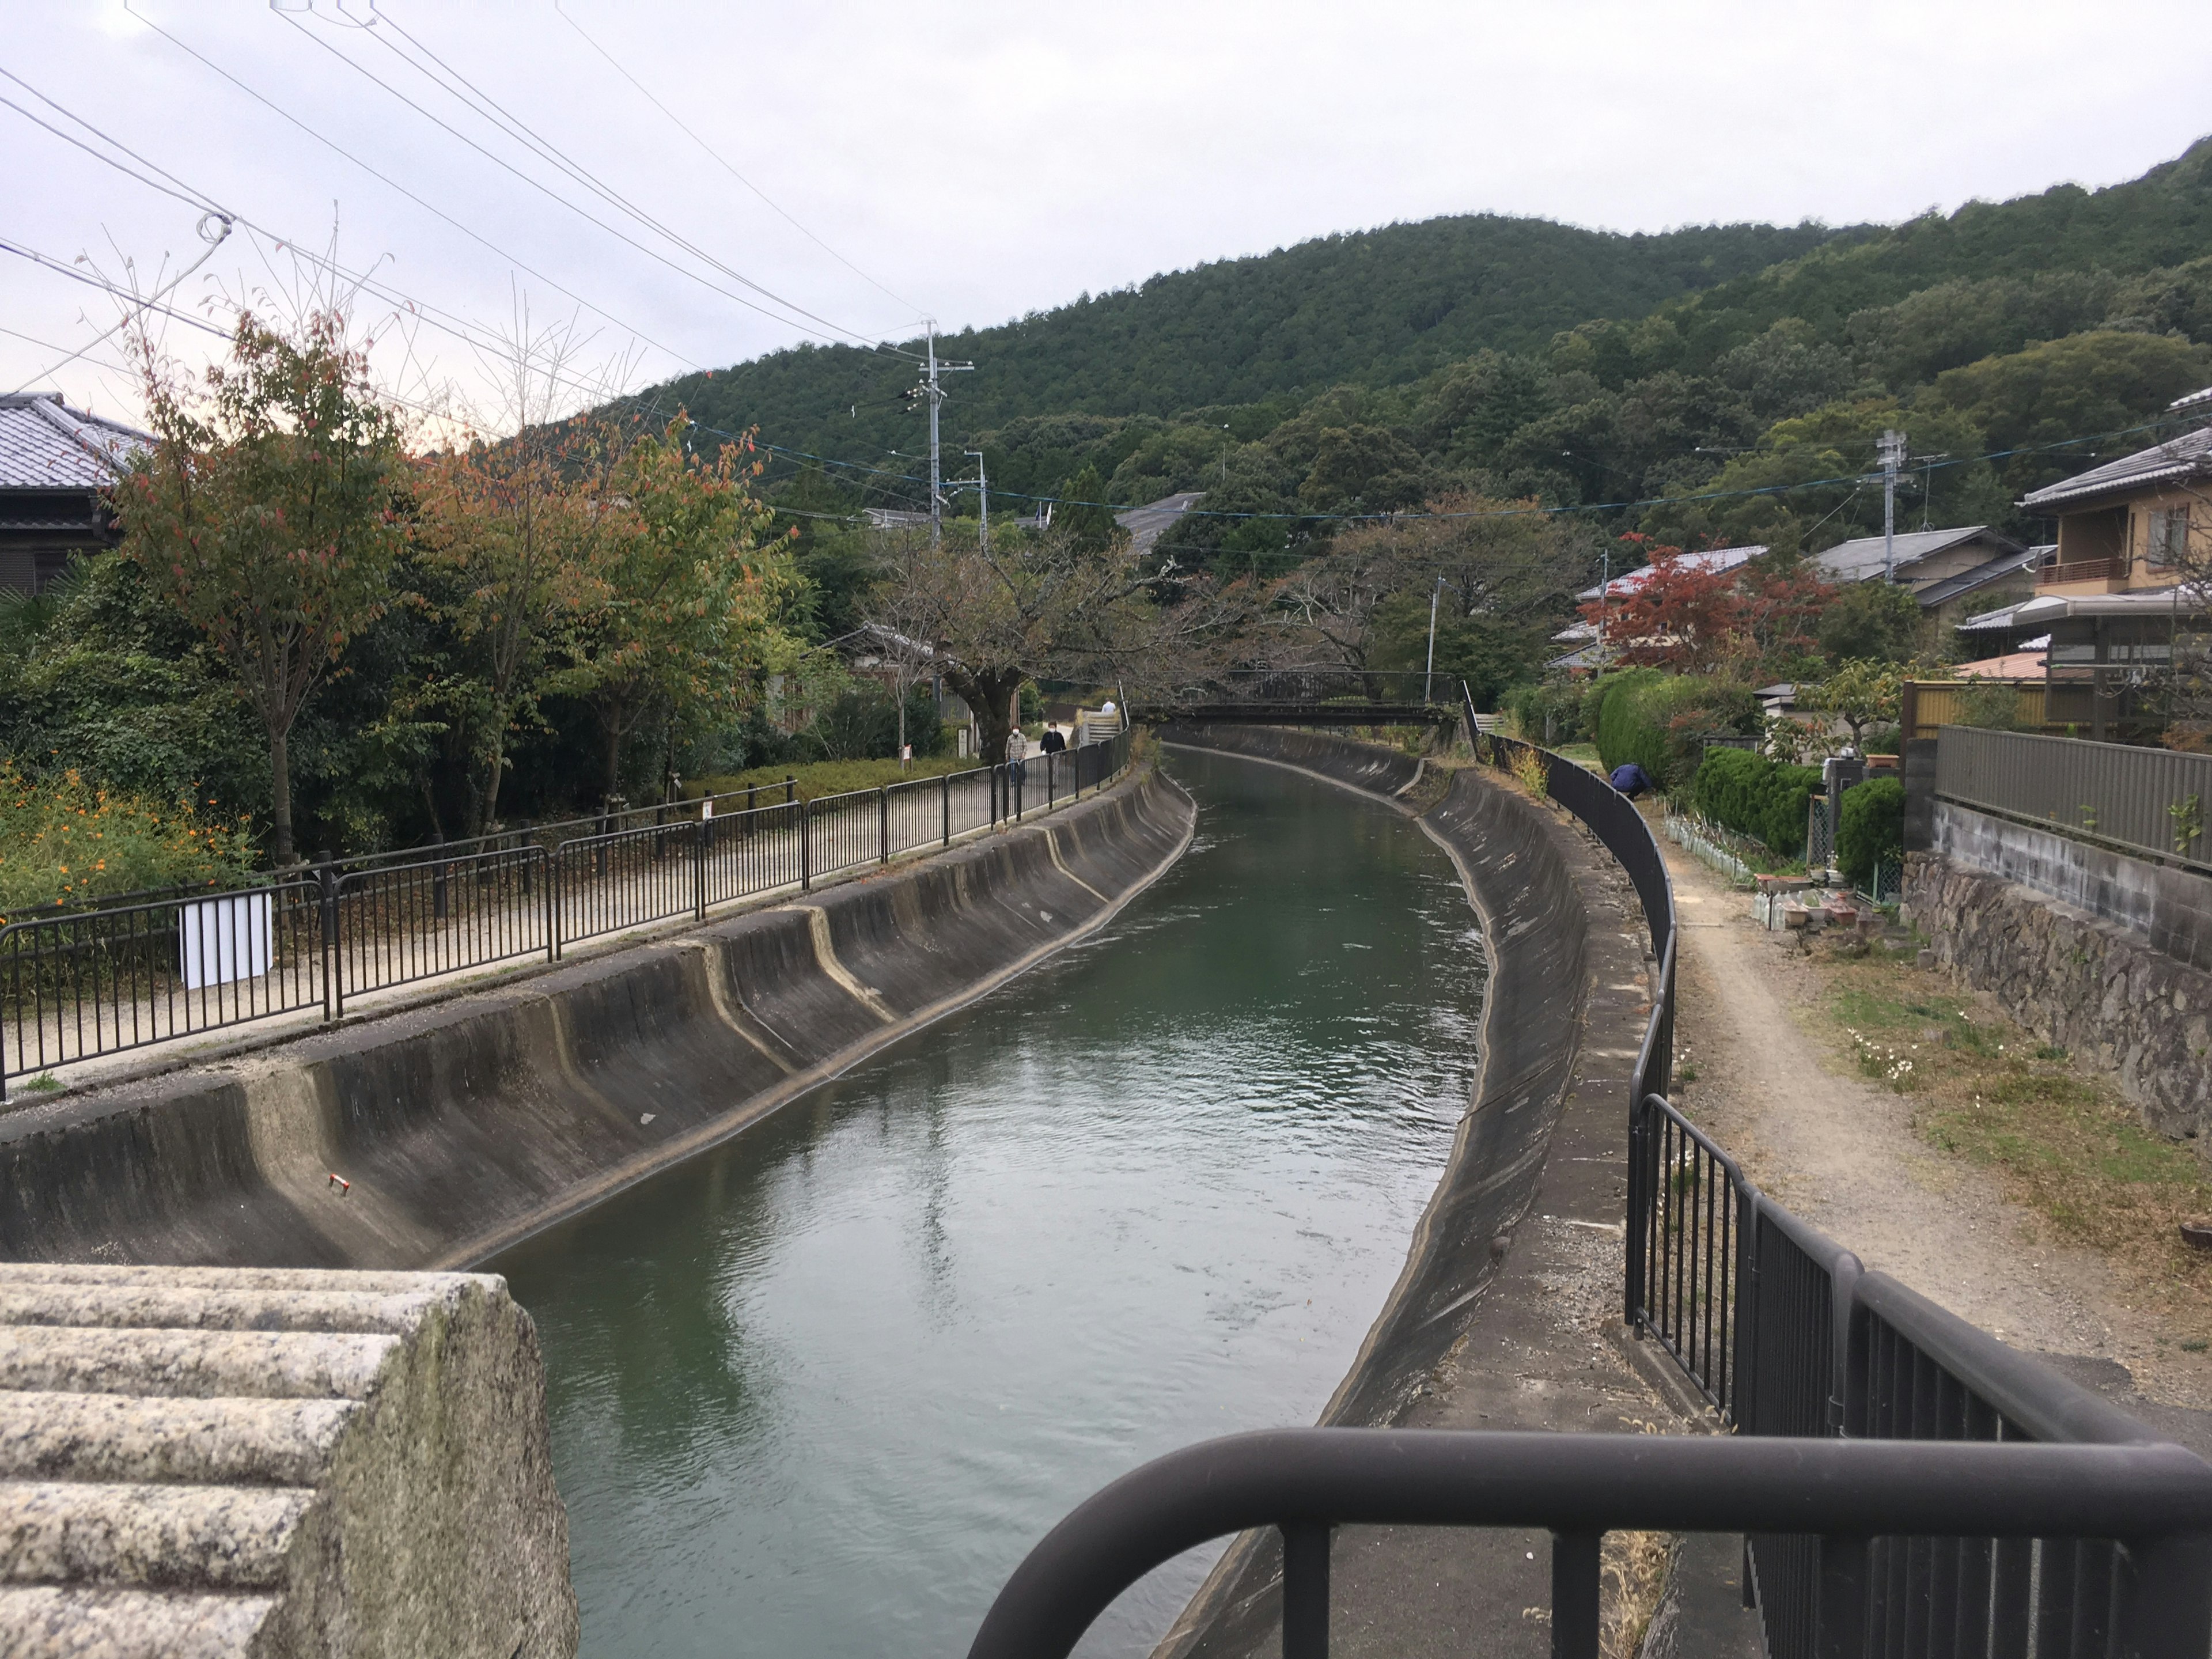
(826, 777)
(2060, 1139)
(44, 1084)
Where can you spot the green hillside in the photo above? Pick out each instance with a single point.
(1629, 377)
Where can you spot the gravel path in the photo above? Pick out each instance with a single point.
(1776, 1087)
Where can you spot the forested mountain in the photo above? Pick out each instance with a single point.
(1380, 305)
(1526, 359)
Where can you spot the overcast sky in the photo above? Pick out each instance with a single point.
(974, 162)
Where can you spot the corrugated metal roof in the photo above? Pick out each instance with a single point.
(46, 445)
(1861, 559)
(2178, 458)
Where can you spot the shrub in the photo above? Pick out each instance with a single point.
(1756, 797)
(1661, 721)
(823, 777)
(65, 841)
(1873, 827)
(1548, 714)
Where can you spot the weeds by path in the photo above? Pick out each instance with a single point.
(2061, 1139)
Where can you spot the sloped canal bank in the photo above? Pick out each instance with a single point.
(817, 1391)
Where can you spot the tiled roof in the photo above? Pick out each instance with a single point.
(1861, 560)
(46, 445)
(2178, 458)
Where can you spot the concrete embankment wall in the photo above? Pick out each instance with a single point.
(1536, 934)
(463, 1126)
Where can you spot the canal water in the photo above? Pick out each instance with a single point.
(815, 1393)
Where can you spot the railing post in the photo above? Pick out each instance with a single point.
(701, 833)
(327, 885)
(552, 904)
(806, 846)
(1018, 775)
(1051, 794)
(1575, 1594)
(1306, 1590)
(945, 801)
(1632, 1310)
(1847, 1401)
(884, 823)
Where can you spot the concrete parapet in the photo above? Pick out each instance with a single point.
(204, 1462)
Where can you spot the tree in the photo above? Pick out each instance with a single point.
(686, 616)
(1050, 605)
(1859, 693)
(1683, 615)
(272, 520)
(1871, 619)
(1084, 515)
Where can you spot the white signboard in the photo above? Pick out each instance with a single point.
(222, 940)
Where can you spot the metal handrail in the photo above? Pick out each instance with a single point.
(2156, 1499)
(83, 983)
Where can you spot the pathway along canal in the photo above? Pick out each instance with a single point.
(815, 1393)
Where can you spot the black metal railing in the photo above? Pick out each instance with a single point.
(1864, 1506)
(81, 983)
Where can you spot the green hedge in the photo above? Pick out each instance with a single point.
(1873, 830)
(1661, 720)
(1756, 797)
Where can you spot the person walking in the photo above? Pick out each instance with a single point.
(1054, 741)
(1018, 763)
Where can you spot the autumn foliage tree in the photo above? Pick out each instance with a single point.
(1687, 614)
(269, 510)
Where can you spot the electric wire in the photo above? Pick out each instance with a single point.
(721, 161)
(332, 144)
(490, 109)
(837, 334)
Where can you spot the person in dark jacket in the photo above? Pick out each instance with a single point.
(1628, 778)
(1052, 742)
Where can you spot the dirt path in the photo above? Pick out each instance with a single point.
(1776, 1086)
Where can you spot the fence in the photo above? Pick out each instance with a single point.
(81, 984)
(2142, 800)
(1787, 1335)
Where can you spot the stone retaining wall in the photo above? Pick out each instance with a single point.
(462, 1127)
(201, 1463)
(2078, 981)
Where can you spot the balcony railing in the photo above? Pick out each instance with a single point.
(2083, 570)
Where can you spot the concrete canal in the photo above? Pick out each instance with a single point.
(815, 1392)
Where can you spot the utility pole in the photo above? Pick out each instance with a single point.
(933, 394)
(984, 498)
(1892, 454)
(1428, 676)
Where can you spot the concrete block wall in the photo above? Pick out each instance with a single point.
(204, 1463)
(2079, 981)
(2167, 908)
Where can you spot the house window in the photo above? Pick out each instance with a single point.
(2169, 536)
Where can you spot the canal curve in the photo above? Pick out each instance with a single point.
(817, 1391)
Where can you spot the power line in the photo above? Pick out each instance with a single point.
(332, 144)
(721, 161)
(101, 282)
(836, 330)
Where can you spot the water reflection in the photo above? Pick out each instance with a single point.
(817, 1392)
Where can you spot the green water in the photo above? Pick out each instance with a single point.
(815, 1393)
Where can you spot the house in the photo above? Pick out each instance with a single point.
(56, 465)
(1948, 570)
(2130, 533)
(1587, 651)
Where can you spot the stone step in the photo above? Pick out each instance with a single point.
(52, 1621)
(119, 1437)
(193, 1365)
(150, 1307)
(356, 1281)
(70, 1532)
